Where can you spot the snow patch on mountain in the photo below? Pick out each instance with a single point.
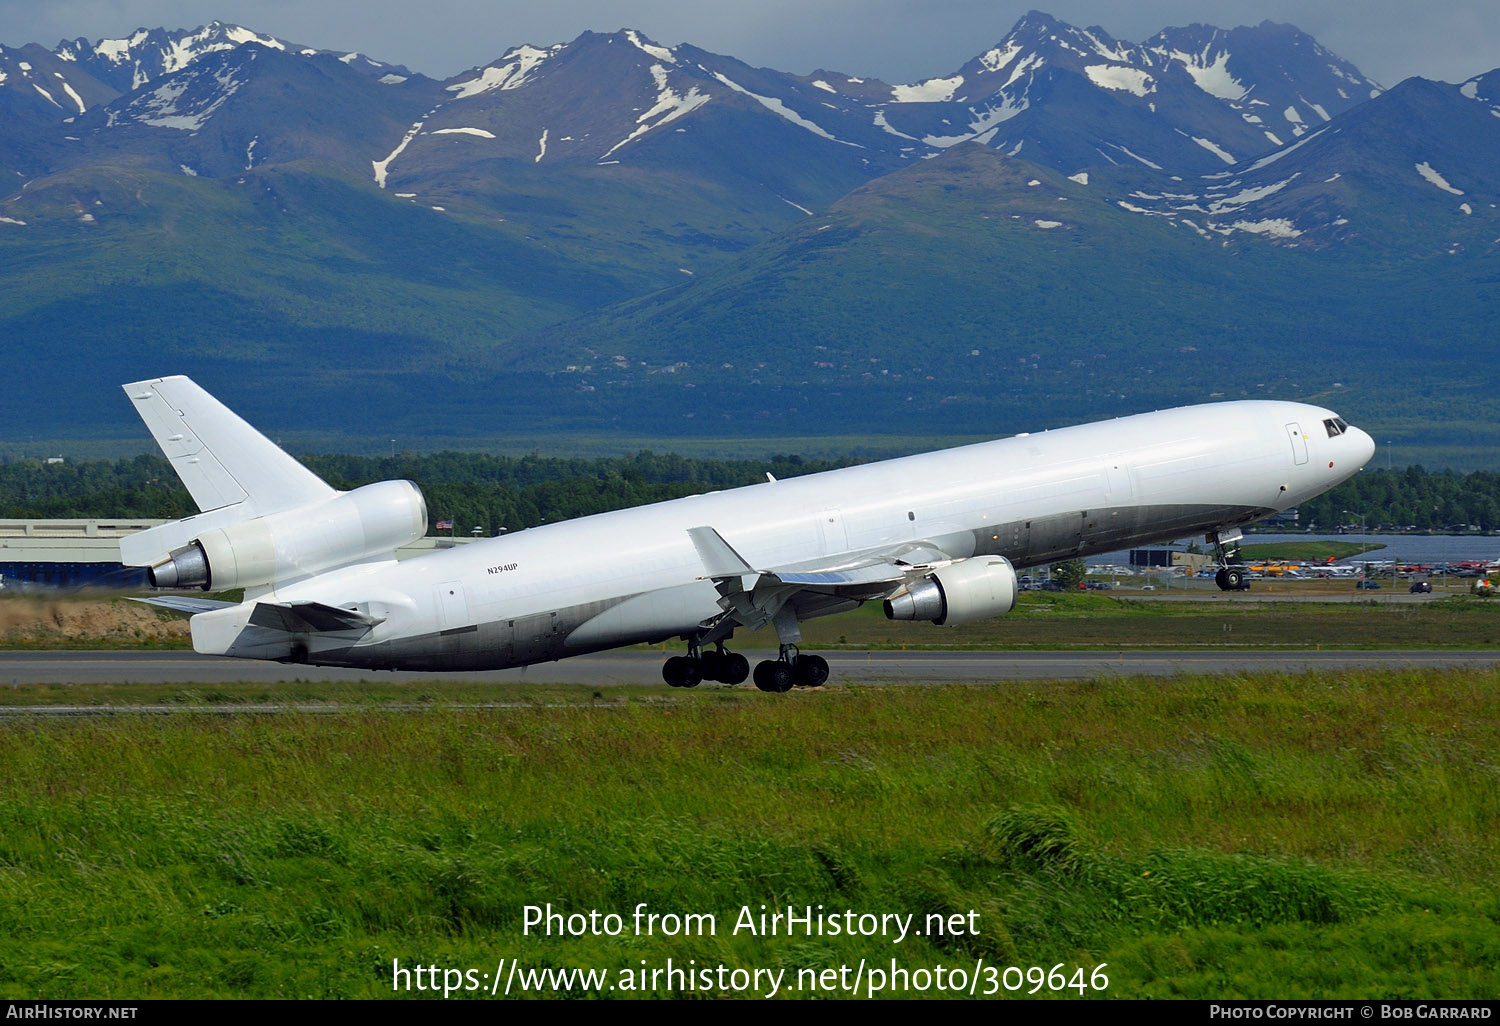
(997, 59)
(777, 107)
(885, 126)
(934, 90)
(1120, 55)
(1120, 79)
(71, 93)
(170, 106)
(661, 53)
(464, 131)
(1216, 150)
(1212, 76)
(668, 103)
(1245, 197)
(1274, 227)
(1134, 156)
(382, 167)
(1271, 158)
(1426, 171)
(820, 84)
(511, 72)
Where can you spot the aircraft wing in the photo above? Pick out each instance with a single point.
(721, 561)
(752, 598)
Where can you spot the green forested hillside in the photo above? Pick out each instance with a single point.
(494, 492)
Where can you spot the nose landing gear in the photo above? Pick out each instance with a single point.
(1231, 575)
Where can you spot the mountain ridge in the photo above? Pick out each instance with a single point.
(607, 231)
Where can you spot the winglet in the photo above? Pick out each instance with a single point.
(719, 557)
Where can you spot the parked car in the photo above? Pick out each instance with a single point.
(1366, 585)
(1421, 587)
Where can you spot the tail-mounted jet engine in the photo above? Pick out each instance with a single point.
(351, 527)
(973, 589)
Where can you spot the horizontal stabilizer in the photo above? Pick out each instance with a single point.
(183, 605)
(310, 618)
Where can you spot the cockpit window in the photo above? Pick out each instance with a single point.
(1335, 426)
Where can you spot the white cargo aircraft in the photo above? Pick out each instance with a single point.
(934, 537)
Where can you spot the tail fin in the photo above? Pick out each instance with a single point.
(232, 471)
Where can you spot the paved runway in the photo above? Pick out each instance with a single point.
(644, 667)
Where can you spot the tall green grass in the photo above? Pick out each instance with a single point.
(1247, 836)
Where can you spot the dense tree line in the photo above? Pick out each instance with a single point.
(1411, 498)
(495, 492)
(470, 489)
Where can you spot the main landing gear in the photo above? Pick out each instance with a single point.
(697, 666)
(793, 669)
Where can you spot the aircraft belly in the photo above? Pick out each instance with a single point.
(1063, 536)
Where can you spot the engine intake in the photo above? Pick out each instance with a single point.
(973, 589)
(350, 527)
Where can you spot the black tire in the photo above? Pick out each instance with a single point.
(672, 671)
(733, 668)
(774, 676)
(692, 673)
(711, 664)
(1221, 579)
(811, 671)
(1235, 579)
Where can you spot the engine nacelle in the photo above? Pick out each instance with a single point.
(973, 589)
(352, 526)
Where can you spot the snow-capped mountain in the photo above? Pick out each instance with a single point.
(1194, 98)
(233, 110)
(313, 211)
(1414, 169)
(148, 54)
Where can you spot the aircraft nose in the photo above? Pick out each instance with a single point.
(1364, 445)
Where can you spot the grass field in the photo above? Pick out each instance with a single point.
(1311, 551)
(1041, 620)
(1258, 836)
(1060, 620)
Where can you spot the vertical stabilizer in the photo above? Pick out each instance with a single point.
(232, 471)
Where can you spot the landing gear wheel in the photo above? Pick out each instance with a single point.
(712, 665)
(1221, 579)
(811, 671)
(682, 672)
(733, 668)
(1234, 580)
(774, 675)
